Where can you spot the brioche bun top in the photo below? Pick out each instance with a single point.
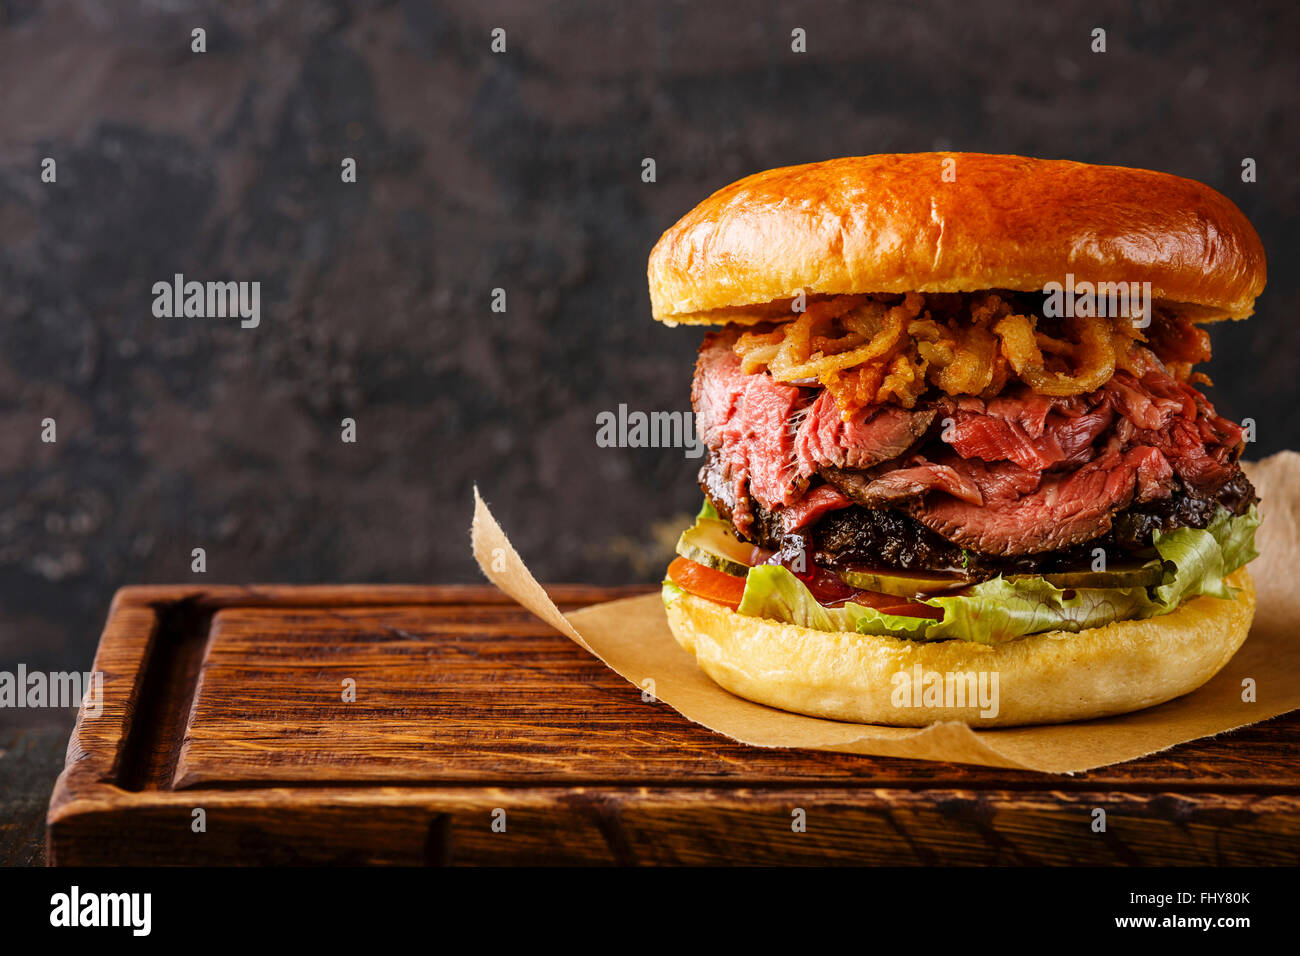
(896, 223)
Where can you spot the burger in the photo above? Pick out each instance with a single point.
(956, 438)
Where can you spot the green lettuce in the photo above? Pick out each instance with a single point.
(1194, 562)
(1000, 609)
(772, 591)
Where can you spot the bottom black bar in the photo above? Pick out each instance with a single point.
(210, 906)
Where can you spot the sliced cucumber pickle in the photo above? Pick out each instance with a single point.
(905, 583)
(712, 543)
(1129, 576)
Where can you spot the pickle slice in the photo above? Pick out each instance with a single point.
(1128, 576)
(712, 543)
(905, 583)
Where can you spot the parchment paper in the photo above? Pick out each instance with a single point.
(631, 636)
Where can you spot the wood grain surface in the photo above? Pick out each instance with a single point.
(468, 710)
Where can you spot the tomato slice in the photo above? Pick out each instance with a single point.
(914, 609)
(727, 589)
(826, 586)
(890, 604)
(706, 583)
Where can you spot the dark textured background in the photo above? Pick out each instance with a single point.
(477, 170)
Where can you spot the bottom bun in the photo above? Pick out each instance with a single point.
(1044, 678)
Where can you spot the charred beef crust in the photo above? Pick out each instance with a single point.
(886, 538)
(880, 538)
(1132, 529)
(855, 535)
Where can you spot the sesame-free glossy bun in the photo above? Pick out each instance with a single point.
(1043, 678)
(891, 223)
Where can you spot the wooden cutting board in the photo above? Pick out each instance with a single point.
(480, 735)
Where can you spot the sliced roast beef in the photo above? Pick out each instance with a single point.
(1200, 445)
(889, 538)
(1133, 529)
(1059, 437)
(1026, 408)
(996, 481)
(875, 434)
(1066, 508)
(1153, 475)
(1019, 474)
(1149, 403)
(901, 484)
(1203, 451)
(1056, 474)
(817, 502)
(772, 437)
(746, 419)
(1039, 433)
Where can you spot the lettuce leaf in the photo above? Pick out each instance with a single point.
(1001, 609)
(772, 591)
(1236, 537)
(1196, 561)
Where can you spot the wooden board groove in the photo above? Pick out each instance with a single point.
(227, 699)
(173, 658)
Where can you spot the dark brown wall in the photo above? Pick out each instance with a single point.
(478, 170)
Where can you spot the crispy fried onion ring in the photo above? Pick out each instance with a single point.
(872, 349)
(808, 347)
(852, 345)
(1094, 353)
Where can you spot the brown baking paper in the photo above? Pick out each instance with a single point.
(632, 637)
